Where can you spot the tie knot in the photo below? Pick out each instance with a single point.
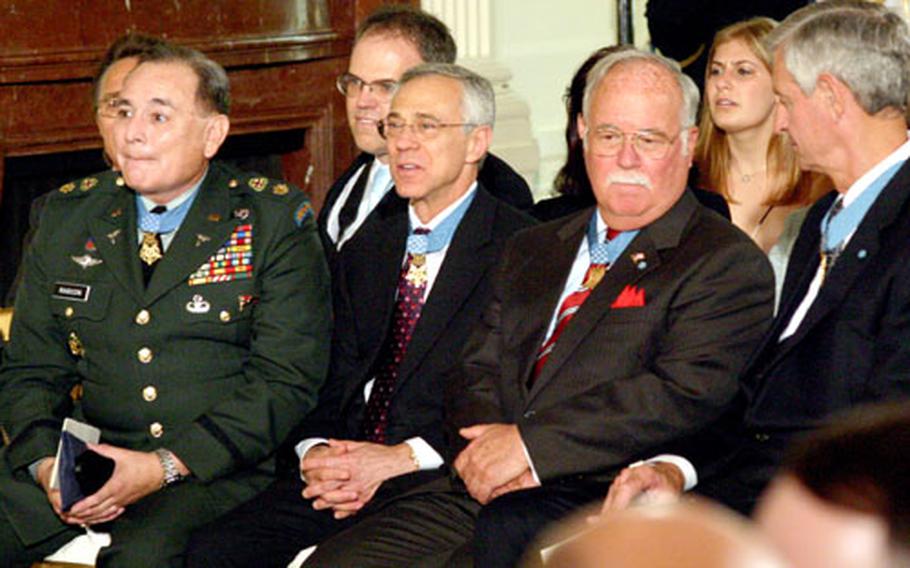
(418, 242)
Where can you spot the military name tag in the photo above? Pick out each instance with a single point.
(74, 292)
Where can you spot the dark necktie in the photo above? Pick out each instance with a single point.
(568, 308)
(151, 249)
(412, 285)
(349, 210)
(829, 255)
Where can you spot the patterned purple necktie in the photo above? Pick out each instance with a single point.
(412, 285)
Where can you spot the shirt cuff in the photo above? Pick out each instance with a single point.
(530, 463)
(427, 457)
(306, 445)
(690, 476)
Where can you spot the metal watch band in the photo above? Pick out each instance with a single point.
(171, 475)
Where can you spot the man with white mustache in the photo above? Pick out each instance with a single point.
(612, 335)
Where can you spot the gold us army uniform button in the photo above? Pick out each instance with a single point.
(225, 316)
(143, 317)
(156, 429)
(69, 311)
(145, 355)
(149, 393)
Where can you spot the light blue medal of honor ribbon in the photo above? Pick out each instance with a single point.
(605, 253)
(835, 228)
(418, 246)
(165, 222)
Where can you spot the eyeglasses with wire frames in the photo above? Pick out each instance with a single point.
(351, 85)
(609, 142)
(424, 128)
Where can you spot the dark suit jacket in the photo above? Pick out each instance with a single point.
(621, 383)
(366, 283)
(852, 347)
(497, 176)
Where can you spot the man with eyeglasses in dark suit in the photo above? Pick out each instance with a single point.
(388, 43)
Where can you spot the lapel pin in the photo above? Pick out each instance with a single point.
(90, 245)
(198, 305)
(214, 217)
(202, 239)
(241, 213)
(112, 236)
(116, 213)
(861, 254)
(86, 261)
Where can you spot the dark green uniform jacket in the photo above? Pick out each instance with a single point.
(216, 359)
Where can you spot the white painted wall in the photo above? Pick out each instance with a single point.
(542, 42)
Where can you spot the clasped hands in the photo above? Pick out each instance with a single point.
(494, 461)
(136, 475)
(343, 475)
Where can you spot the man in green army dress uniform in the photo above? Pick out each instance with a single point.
(187, 303)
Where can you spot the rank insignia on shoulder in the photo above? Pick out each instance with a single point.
(258, 183)
(303, 212)
(280, 189)
(88, 183)
(116, 212)
(67, 187)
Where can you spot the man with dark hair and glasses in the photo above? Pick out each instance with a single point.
(187, 304)
(611, 334)
(413, 283)
(389, 42)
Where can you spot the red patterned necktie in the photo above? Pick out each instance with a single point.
(412, 285)
(567, 310)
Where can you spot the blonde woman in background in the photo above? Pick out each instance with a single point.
(739, 155)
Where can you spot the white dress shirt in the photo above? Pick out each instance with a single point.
(378, 185)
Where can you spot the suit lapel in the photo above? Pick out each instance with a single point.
(114, 234)
(663, 233)
(863, 246)
(375, 259)
(332, 196)
(464, 265)
(539, 287)
(624, 272)
(207, 226)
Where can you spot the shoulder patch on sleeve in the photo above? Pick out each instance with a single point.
(304, 212)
